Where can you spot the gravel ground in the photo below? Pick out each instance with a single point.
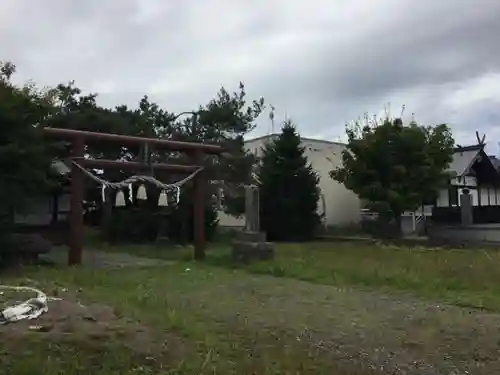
(386, 333)
(365, 330)
(100, 259)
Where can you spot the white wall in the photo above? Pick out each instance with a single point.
(443, 200)
(342, 205)
(226, 220)
(489, 196)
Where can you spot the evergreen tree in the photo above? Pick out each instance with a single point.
(289, 191)
(24, 158)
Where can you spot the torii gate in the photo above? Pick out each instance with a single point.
(78, 138)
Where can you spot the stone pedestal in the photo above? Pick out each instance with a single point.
(246, 251)
(251, 244)
(466, 208)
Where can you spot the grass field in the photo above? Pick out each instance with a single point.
(163, 320)
(463, 277)
(316, 309)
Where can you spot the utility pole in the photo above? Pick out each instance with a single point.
(271, 117)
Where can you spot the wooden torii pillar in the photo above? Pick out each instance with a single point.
(79, 138)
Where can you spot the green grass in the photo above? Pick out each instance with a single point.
(36, 355)
(195, 310)
(462, 277)
(215, 318)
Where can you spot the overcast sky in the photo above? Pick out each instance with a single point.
(321, 63)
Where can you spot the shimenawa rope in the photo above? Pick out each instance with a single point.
(139, 178)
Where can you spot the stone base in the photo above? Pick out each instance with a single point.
(245, 251)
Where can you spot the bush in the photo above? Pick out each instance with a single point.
(380, 228)
(131, 224)
(174, 223)
(25, 159)
(23, 248)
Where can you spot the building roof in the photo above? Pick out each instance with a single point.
(59, 167)
(463, 158)
(495, 162)
(268, 136)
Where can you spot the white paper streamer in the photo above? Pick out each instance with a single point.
(30, 309)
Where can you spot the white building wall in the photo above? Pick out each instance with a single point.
(226, 220)
(442, 199)
(341, 205)
(489, 195)
(483, 195)
(254, 146)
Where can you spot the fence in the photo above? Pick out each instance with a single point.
(480, 215)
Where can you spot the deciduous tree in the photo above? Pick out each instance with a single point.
(394, 166)
(224, 120)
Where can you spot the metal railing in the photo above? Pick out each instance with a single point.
(417, 217)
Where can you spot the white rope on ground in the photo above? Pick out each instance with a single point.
(139, 178)
(30, 309)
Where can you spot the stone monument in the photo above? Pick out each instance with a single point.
(250, 243)
(252, 208)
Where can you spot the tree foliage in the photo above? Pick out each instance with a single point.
(223, 120)
(24, 158)
(395, 167)
(26, 109)
(289, 191)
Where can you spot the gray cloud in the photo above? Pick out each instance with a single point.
(321, 63)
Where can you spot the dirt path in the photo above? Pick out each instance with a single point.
(376, 332)
(395, 335)
(100, 259)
